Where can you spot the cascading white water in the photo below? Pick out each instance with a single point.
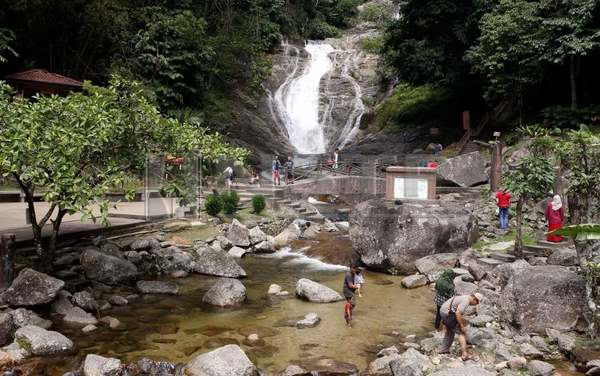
(297, 102)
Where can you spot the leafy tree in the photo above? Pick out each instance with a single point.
(529, 181)
(74, 149)
(572, 29)
(6, 38)
(506, 53)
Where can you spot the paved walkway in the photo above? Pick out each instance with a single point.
(13, 220)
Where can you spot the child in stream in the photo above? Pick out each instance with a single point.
(359, 281)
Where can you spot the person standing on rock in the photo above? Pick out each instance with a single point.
(503, 201)
(452, 315)
(444, 291)
(555, 216)
(349, 290)
(276, 170)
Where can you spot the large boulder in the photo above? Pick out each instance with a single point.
(42, 342)
(172, 259)
(238, 234)
(7, 327)
(32, 288)
(24, 317)
(410, 363)
(501, 274)
(228, 360)
(544, 297)
(217, 263)
(107, 269)
(226, 292)
(465, 170)
(96, 365)
(564, 257)
(390, 237)
(316, 292)
(414, 281)
(256, 235)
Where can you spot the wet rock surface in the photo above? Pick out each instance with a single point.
(32, 288)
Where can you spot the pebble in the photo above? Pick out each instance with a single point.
(110, 321)
(117, 300)
(89, 328)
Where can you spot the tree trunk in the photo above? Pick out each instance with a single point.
(519, 237)
(573, 78)
(49, 254)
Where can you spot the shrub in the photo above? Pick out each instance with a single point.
(258, 203)
(213, 204)
(230, 202)
(378, 13)
(319, 29)
(372, 45)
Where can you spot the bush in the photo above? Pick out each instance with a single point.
(319, 29)
(213, 204)
(378, 13)
(230, 202)
(567, 117)
(258, 203)
(372, 45)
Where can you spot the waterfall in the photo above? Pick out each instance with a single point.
(297, 101)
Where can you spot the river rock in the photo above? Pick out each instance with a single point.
(539, 368)
(391, 238)
(517, 362)
(274, 289)
(7, 328)
(294, 370)
(237, 252)
(72, 314)
(172, 259)
(465, 170)
(217, 263)
(42, 342)
(267, 246)
(316, 292)
(410, 363)
(503, 273)
(464, 370)
(85, 300)
(23, 317)
(222, 243)
(287, 236)
(226, 292)
(32, 288)
(228, 360)
(481, 320)
(414, 281)
(106, 268)
(435, 264)
(544, 297)
(256, 235)
(157, 287)
(564, 257)
(381, 366)
(309, 321)
(145, 244)
(529, 351)
(96, 365)
(238, 234)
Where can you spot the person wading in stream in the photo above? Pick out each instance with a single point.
(349, 289)
(444, 290)
(452, 315)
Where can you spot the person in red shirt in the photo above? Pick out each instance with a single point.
(555, 216)
(503, 200)
(432, 164)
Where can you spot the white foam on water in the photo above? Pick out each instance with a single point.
(298, 258)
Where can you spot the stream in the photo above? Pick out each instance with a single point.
(177, 328)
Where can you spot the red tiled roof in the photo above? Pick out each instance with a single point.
(42, 75)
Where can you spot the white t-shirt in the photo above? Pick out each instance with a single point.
(459, 303)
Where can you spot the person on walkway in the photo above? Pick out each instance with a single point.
(349, 290)
(228, 177)
(444, 291)
(555, 215)
(452, 315)
(289, 170)
(503, 201)
(276, 170)
(255, 178)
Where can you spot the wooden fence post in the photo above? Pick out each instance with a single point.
(7, 260)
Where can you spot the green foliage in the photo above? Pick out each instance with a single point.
(180, 189)
(581, 233)
(258, 203)
(409, 106)
(379, 13)
(6, 38)
(80, 146)
(505, 54)
(373, 45)
(230, 202)
(532, 179)
(566, 117)
(213, 204)
(320, 29)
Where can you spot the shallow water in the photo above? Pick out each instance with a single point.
(177, 328)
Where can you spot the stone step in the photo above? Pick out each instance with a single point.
(539, 250)
(545, 243)
(488, 261)
(504, 257)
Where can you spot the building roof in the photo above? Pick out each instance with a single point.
(43, 76)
